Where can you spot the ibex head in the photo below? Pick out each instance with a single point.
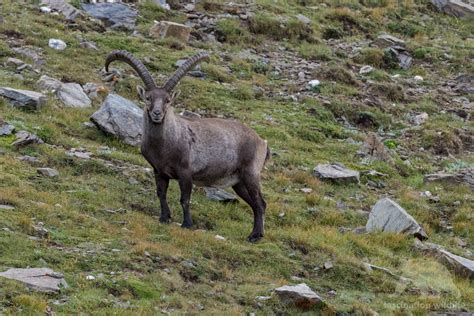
(157, 99)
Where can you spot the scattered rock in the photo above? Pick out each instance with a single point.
(420, 118)
(385, 40)
(401, 54)
(219, 195)
(29, 159)
(306, 190)
(7, 207)
(46, 83)
(190, 115)
(69, 11)
(465, 176)
(92, 90)
(41, 231)
(299, 295)
(371, 267)
(23, 138)
(418, 78)
(462, 266)
(336, 172)
(219, 237)
(388, 216)
(48, 172)
(165, 29)
(456, 8)
(90, 277)
(328, 265)
(366, 70)
(116, 16)
(374, 148)
(79, 153)
(88, 45)
(5, 128)
(14, 62)
(57, 44)
(38, 279)
(303, 19)
(72, 95)
(23, 99)
(120, 117)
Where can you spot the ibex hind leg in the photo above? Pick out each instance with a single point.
(249, 190)
(161, 190)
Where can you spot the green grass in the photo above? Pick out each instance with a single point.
(142, 267)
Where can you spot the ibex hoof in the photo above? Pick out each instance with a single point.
(187, 225)
(165, 219)
(254, 237)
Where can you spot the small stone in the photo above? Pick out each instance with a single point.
(420, 118)
(116, 16)
(45, 10)
(88, 45)
(299, 295)
(418, 78)
(219, 237)
(48, 172)
(57, 44)
(68, 10)
(29, 159)
(6, 207)
(303, 19)
(5, 128)
(190, 115)
(46, 83)
(90, 277)
(38, 279)
(166, 29)
(306, 190)
(314, 83)
(219, 195)
(327, 265)
(366, 70)
(385, 40)
(336, 172)
(23, 138)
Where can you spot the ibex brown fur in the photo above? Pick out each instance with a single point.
(208, 152)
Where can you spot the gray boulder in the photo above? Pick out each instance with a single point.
(465, 176)
(49, 84)
(461, 266)
(48, 172)
(299, 295)
(69, 11)
(456, 8)
(23, 138)
(388, 216)
(219, 195)
(23, 99)
(39, 279)
(5, 128)
(72, 95)
(120, 117)
(336, 172)
(385, 40)
(116, 16)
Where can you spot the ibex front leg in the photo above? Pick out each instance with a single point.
(186, 187)
(161, 190)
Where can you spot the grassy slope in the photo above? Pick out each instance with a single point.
(228, 275)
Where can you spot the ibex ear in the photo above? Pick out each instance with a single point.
(141, 93)
(175, 95)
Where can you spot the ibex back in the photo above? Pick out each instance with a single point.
(208, 152)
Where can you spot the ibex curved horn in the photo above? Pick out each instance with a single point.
(137, 65)
(183, 69)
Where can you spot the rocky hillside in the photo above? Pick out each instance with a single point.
(366, 105)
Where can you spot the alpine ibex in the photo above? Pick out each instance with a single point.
(208, 152)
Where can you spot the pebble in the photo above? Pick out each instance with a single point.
(57, 44)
